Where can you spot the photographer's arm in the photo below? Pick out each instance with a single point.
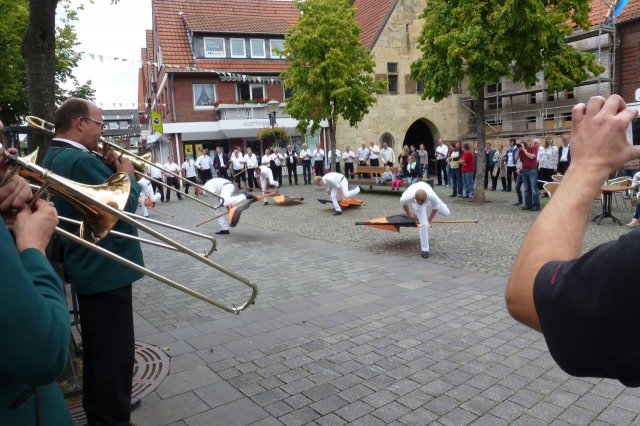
(599, 146)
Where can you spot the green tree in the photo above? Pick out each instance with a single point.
(330, 72)
(483, 41)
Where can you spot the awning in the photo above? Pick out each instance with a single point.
(227, 129)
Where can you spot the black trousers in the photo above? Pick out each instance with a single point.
(277, 174)
(292, 169)
(544, 175)
(562, 167)
(375, 162)
(441, 170)
(108, 346)
(158, 188)
(239, 175)
(511, 176)
(487, 172)
(348, 170)
(319, 166)
(251, 179)
(173, 181)
(187, 185)
(222, 172)
(363, 175)
(205, 175)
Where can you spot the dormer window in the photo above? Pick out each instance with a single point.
(276, 45)
(257, 48)
(214, 47)
(238, 48)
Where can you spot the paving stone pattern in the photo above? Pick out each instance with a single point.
(351, 326)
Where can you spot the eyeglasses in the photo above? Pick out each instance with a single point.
(99, 123)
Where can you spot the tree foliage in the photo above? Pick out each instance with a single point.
(330, 71)
(483, 41)
(14, 100)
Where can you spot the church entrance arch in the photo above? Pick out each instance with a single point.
(423, 131)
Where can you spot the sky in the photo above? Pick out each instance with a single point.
(113, 31)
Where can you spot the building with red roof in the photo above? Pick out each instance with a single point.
(209, 68)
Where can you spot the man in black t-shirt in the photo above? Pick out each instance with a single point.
(586, 306)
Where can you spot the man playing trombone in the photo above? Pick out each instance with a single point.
(103, 286)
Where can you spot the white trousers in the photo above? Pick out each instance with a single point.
(343, 191)
(147, 194)
(421, 212)
(266, 181)
(229, 201)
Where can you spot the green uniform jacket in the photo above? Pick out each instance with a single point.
(34, 335)
(89, 271)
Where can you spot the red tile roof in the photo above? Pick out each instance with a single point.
(372, 15)
(174, 19)
(600, 11)
(630, 12)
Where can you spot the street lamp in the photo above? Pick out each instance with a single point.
(272, 110)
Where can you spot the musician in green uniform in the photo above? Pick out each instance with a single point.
(102, 285)
(34, 321)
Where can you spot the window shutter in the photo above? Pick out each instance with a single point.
(410, 86)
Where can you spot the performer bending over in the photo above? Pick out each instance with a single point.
(224, 189)
(415, 201)
(265, 175)
(336, 184)
(146, 193)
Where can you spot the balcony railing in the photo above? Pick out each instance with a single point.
(247, 111)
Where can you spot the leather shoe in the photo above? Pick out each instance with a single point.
(425, 255)
(135, 402)
(535, 209)
(525, 208)
(223, 232)
(337, 213)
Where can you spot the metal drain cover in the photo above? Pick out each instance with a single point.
(151, 366)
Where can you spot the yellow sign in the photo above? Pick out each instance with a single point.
(156, 121)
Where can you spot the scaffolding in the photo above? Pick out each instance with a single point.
(513, 110)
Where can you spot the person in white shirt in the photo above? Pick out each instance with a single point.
(318, 160)
(251, 162)
(387, 155)
(204, 164)
(146, 193)
(329, 156)
(363, 156)
(348, 156)
(442, 152)
(265, 175)
(291, 160)
(189, 169)
(547, 160)
(278, 160)
(415, 201)
(337, 185)
(564, 155)
(155, 173)
(237, 167)
(305, 156)
(266, 158)
(374, 154)
(223, 188)
(172, 180)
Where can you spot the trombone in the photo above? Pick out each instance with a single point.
(95, 204)
(137, 160)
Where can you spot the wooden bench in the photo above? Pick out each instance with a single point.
(372, 180)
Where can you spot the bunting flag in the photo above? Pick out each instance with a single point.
(226, 76)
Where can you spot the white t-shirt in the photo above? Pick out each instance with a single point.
(203, 162)
(318, 154)
(172, 167)
(189, 167)
(441, 152)
(374, 152)
(305, 154)
(237, 161)
(348, 156)
(363, 154)
(251, 160)
(409, 196)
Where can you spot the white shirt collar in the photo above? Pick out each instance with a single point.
(72, 143)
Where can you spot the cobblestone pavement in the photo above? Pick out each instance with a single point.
(352, 327)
